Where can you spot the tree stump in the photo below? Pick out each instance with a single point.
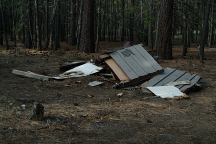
(38, 112)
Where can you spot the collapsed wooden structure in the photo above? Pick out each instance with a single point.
(135, 66)
(132, 64)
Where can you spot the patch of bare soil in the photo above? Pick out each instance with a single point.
(77, 113)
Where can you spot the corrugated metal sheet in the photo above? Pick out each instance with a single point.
(173, 75)
(136, 62)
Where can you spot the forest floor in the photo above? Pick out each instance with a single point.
(77, 113)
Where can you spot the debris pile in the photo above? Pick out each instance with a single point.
(131, 67)
(132, 63)
(173, 77)
(79, 71)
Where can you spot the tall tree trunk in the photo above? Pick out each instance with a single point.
(108, 24)
(165, 29)
(56, 29)
(185, 40)
(4, 24)
(211, 32)
(150, 26)
(1, 27)
(98, 27)
(87, 41)
(47, 29)
(115, 21)
(205, 29)
(79, 22)
(37, 25)
(131, 23)
(185, 30)
(13, 23)
(74, 23)
(123, 20)
(28, 26)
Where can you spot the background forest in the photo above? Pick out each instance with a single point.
(159, 24)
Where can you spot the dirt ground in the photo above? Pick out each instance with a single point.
(79, 114)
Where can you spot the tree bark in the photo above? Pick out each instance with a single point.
(1, 27)
(74, 23)
(56, 29)
(38, 27)
(164, 41)
(47, 29)
(150, 27)
(211, 32)
(4, 24)
(185, 29)
(87, 41)
(205, 29)
(28, 26)
(131, 22)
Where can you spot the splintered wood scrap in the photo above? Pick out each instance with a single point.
(117, 70)
(184, 97)
(95, 83)
(29, 74)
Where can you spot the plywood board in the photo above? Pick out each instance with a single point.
(117, 70)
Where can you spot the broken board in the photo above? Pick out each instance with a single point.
(29, 74)
(117, 70)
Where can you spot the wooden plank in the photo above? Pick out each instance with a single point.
(31, 75)
(117, 70)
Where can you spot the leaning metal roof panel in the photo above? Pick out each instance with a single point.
(136, 62)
